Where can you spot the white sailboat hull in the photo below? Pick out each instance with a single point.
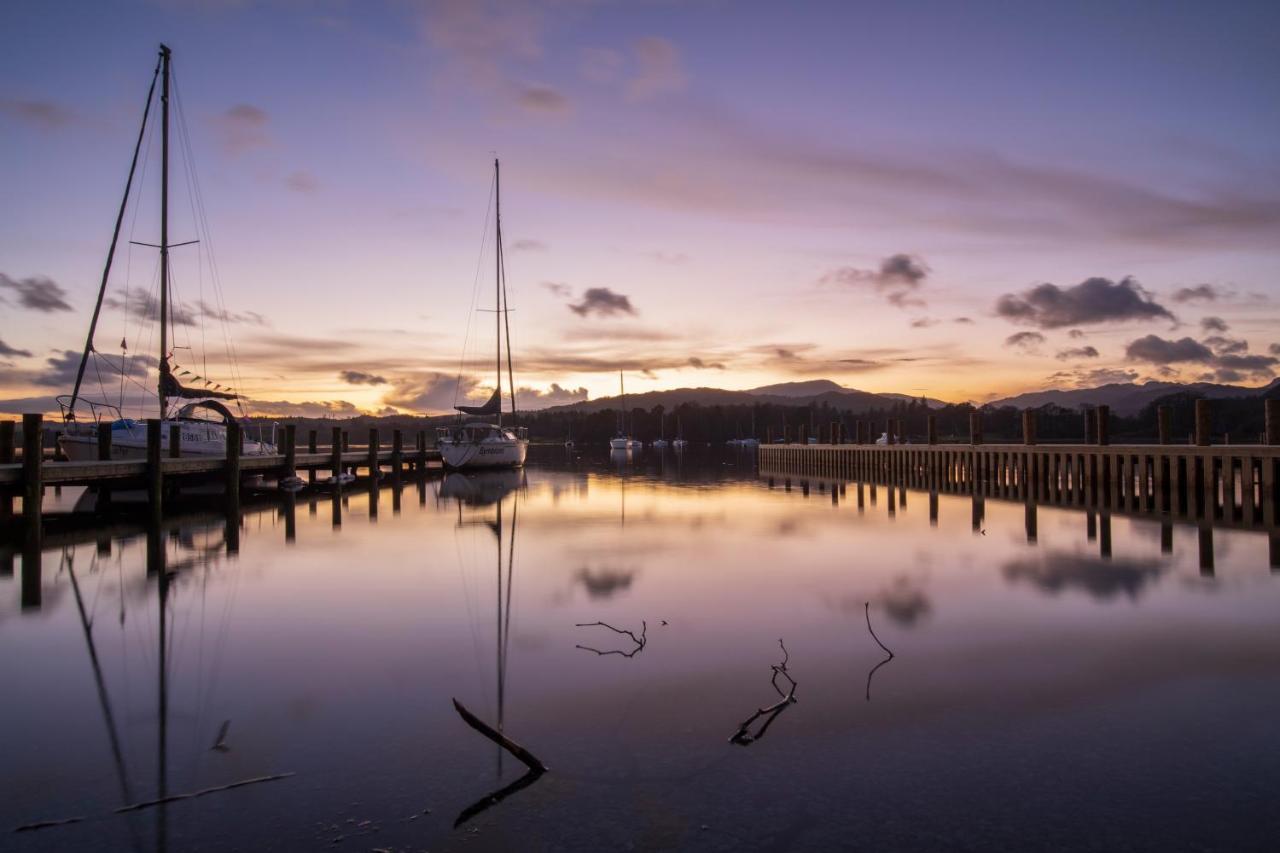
(198, 440)
(486, 453)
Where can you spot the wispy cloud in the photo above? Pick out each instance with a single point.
(898, 278)
(360, 377)
(45, 115)
(659, 69)
(243, 127)
(1092, 301)
(602, 302)
(7, 350)
(37, 293)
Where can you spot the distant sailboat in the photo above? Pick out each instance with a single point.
(477, 444)
(623, 440)
(679, 443)
(660, 443)
(202, 423)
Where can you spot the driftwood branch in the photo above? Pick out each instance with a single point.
(744, 736)
(640, 641)
(873, 669)
(490, 800)
(135, 807)
(175, 797)
(524, 756)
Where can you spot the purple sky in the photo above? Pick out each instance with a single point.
(963, 200)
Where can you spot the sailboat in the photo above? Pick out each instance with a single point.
(660, 443)
(478, 443)
(679, 443)
(623, 440)
(202, 422)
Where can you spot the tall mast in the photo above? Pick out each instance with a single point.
(164, 226)
(497, 277)
(111, 251)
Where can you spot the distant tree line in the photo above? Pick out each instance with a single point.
(1240, 418)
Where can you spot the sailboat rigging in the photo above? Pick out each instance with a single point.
(623, 440)
(202, 422)
(477, 443)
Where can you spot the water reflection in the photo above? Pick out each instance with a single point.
(333, 644)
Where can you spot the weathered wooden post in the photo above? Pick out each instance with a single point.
(335, 453)
(290, 453)
(1271, 409)
(975, 428)
(232, 470)
(397, 452)
(890, 438)
(6, 458)
(32, 471)
(373, 452)
(1164, 424)
(175, 441)
(311, 448)
(801, 433)
(422, 450)
(931, 429)
(104, 441)
(1203, 423)
(1090, 426)
(1029, 427)
(155, 463)
(1102, 428)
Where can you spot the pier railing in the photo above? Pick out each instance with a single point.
(27, 473)
(1228, 483)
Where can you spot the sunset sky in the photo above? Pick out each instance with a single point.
(964, 200)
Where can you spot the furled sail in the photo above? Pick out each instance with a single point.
(490, 408)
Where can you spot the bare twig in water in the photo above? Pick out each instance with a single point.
(254, 781)
(873, 669)
(640, 641)
(743, 736)
(46, 824)
(873, 633)
(496, 797)
(527, 758)
(220, 743)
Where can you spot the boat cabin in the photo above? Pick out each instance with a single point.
(476, 432)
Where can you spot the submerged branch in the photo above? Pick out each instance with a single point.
(175, 797)
(873, 669)
(640, 641)
(527, 758)
(873, 633)
(489, 800)
(743, 736)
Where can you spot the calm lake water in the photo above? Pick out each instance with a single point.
(1042, 694)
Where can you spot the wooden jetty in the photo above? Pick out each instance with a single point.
(29, 472)
(1221, 483)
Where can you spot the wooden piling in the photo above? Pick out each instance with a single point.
(175, 441)
(931, 429)
(6, 458)
(1271, 434)
(1102, 428)
(311, 448)
(373, 452)
(975, 428)
(1164, 424)
(233, 463)
(1204, 423)
(1029, 427)
(32, 473)
(155, 466)
(290, 453)
(335, 453)
(104, 441)
(397, 451)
